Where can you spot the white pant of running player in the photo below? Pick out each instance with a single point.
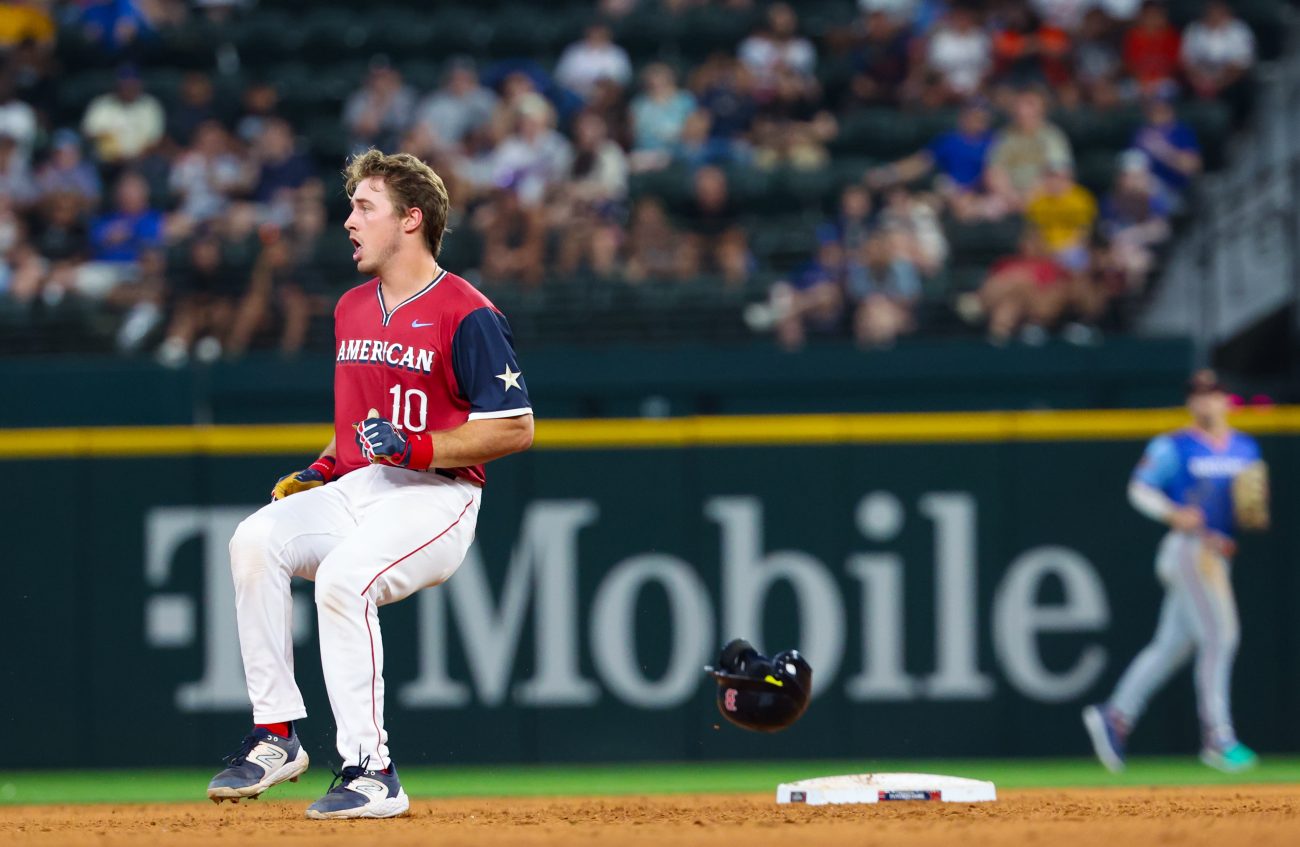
(1199, 616)
(372, 537)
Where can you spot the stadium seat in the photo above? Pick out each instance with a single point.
(332, 33)
(1095, 170)
(881, 134)
(1212, 121)
(527, 31)
(1091, 128)
(266, 38)
(983, 241)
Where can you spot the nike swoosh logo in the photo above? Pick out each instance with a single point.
(418, 325)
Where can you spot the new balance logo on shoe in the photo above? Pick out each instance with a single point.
(369, 787)
(269, 757)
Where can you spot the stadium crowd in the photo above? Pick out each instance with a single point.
(204, 224)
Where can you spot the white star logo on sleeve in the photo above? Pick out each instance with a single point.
(510, 379)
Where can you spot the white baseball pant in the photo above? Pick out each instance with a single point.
(1199, 615)
(371, 537)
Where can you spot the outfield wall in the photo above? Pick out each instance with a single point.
(961, 583)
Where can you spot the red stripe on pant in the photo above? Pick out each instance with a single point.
(374, 666)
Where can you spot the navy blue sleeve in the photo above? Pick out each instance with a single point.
(483, 358)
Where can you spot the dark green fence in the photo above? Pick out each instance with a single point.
(630, 381)
(954, 599)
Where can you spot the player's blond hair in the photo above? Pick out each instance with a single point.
(410, 183)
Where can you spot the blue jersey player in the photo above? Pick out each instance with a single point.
(1186, 481)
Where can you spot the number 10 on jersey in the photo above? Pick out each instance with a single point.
(404, 404)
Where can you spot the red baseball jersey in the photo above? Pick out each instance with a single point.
(437, 359)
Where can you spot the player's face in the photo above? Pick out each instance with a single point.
(374, 226)
(1209, 408)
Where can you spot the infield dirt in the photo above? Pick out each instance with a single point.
(1258, 816)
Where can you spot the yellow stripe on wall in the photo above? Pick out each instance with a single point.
(643, 433)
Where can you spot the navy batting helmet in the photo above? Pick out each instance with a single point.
(758, 693)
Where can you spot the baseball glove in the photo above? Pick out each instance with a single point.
(1250, 497)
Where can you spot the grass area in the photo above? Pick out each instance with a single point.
(159, 786)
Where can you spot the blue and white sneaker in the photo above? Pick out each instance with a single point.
(262, 760)
(1107, 736)
(1234, 758)
(360, 793)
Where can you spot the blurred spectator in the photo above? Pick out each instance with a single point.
(283, 285)
(62, 240)
(125, 122)
(958, 57)
(31, 67)
(17, 118)
(610, 102)
(655, 249)
(911, 228)
(1062, 15)
(811, 300)
(207, 176)
(66, 172)
(791, 128)
(1151, 48)
(206, 291)
(20, 266)
(791, 144)
(1171, 148)
(535, 157)
(515, 87)
(917, 16)
(1021, 152)
(193, 107)
(281, 169)
(142, 301)
(260, 103)
(880, 62)
(461, 106)
(1098, 69)
(658, 115)
(1062, 213)
(1030, 51)
(957, 157)
(593, 58)
(115, 25)
(698, 146)
(613, 9)
(776, 47)
(1025, 293)
(716, 241)
(377, 114)
(883, 289)
(15, 178)
(1218, 51)
(25, 21)
(514, 238)
(853, 224)
(1118, 10)
(120, 238)
(723, 86)
(590, 203)
(1134, 222)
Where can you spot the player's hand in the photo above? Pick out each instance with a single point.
(382, 443)
(319, 472)
(1187, 519)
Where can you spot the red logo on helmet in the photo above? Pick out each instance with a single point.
(729, 700)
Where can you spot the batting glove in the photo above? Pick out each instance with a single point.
(319, 472)
(382, 443)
